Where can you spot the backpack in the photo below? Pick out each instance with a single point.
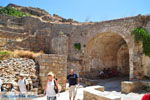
(2, 88)
(56, 87)
(28, 86)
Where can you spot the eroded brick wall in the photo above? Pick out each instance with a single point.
(55, 63)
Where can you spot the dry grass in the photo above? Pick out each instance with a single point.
(5, 54)
(27, 54)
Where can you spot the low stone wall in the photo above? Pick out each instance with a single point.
(133, 86)
(55, 63)
(96, 93)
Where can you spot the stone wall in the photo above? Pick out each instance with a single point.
(100, 41)
(60, 44)
(55, 63)
(97, 93)
(123, 60)
(133, 86)
(146, 65)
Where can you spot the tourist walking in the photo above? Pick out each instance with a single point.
(51, 88)
(73, 80)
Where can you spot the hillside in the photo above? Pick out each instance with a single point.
(28, 28)
(19, 11)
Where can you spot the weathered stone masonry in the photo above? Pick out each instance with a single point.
(54, 63)
(103, 44)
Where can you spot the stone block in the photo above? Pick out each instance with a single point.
(130, 86)
(92, 94)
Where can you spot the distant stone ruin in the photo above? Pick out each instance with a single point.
(88, 47)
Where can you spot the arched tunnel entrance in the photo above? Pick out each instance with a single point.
(107, 50)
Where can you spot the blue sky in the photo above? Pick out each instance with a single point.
(88, 10)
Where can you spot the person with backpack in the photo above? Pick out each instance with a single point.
(73, 80)
(51, 88)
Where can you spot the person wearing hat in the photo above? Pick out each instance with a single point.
(22, 84)
(49, 89)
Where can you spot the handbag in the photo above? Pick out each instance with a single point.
(55, 87)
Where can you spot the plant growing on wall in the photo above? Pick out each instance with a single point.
(5, 55)
(141, 34)
(77, 46)
(146, 88)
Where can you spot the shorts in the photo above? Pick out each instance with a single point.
(72, 91)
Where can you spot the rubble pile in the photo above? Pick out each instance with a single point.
(11, 68)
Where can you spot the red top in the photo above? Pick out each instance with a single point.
(146, 97)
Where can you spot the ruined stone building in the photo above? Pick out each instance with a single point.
(86, 47)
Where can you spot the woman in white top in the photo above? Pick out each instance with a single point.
(49, 89)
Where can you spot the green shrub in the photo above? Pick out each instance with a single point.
(5, 55)
(77, 46)
(147, 77)
(146, 46)
(146, 88)
(12, 12)
(141, 34)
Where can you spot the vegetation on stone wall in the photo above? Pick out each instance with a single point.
(146, 88)
(5, 55)
(12, 12)
(141, 34)
(77, 46)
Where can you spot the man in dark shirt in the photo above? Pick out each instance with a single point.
(73, 81)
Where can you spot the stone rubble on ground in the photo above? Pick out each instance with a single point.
(11, 68)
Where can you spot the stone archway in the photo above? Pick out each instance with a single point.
(107, 50)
